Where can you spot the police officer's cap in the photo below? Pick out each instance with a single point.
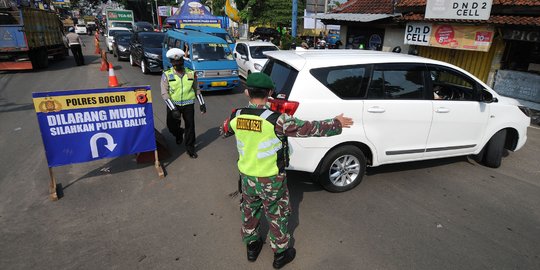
(175, 54)
(260, 80)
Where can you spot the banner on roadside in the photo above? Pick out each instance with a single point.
(460, 37)
(85, 125)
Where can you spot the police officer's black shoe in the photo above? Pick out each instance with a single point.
(193, 155)
(283, 258)
(253, 250)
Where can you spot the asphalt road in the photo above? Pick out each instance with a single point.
(117, 214)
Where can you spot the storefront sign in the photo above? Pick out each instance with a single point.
(164, 11)
(472, 38)
(518, 84)
(85, 125)
(458, 9)
(523, 35)
(418, 33)
(460, 37)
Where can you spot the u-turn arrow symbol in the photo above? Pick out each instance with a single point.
(93, 143)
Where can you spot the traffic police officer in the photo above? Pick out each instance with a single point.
(178, 88)
(261, 138)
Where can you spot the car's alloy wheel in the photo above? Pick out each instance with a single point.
(143, 67)
(131, 62)
(342, 169)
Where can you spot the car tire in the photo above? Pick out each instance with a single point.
(131, 62)
(494, 149)
(144, 69)
(342, 169)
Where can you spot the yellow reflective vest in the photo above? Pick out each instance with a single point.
(261, 152)
(181, 89)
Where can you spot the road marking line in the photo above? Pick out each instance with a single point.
(534, 127)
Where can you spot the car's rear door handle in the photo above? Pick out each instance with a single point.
(442, 110)
(376, 109)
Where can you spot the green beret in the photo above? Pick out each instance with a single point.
(260, 80)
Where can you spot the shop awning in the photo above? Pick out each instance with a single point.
(353, 17)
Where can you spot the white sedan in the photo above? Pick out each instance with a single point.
(250, 57)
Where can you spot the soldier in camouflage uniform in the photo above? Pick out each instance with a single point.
(263, 155)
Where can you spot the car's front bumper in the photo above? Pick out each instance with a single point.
(123, 55)
(220, 83)
(154, 65)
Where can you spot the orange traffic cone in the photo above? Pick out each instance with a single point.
(113, 81)
(96, 43)
(104, 64)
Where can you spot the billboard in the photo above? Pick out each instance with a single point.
(460, 37)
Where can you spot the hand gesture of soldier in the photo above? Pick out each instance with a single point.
(346, 122)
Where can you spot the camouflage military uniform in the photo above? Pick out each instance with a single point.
(271, 193)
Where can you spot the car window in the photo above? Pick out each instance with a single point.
(283, 77)
(397, 81)
(257, 51)
(151, 41)
(347, 82)
(448, 84)
(241, 49)
(171, 42)
(122, 24)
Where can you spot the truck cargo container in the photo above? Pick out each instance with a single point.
(29, 36)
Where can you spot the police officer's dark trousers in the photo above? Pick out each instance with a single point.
(76, 50)
(188, 114)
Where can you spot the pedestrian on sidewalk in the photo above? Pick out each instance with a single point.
(261, 139)
(75, 43)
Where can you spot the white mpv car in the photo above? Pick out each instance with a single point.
(405, 108)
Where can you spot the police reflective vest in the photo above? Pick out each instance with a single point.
(261, 152)
(180, 88)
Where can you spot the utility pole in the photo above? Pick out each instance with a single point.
(152, 10)
(294, 15)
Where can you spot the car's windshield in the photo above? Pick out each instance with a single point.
(151, 41)
(210, 52)
(257, 51)
(122, 24)
(226, 37)
(123, 38)
(144, 26)
(112, 32)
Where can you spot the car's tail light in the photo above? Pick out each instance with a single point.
(284, 106)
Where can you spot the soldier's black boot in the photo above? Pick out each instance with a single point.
(253, 250)
(283, 258)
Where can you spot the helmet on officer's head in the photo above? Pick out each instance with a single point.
(71, 29)
(175, 54)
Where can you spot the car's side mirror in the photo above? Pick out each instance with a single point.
(235, 55)
(487, 97)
